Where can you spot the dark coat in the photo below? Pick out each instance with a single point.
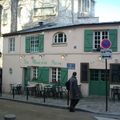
(74, 89)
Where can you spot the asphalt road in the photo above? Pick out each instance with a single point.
(25, 111)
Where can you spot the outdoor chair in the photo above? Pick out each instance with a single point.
(115, 93)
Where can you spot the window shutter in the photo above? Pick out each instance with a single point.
(43, 75)
(84, 72)
(27, 73)
(115, 73)
(41, 43)
(64, 76)
(113, 39)
(27, 49)
(88, 40)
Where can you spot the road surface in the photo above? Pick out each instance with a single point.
(25, 111)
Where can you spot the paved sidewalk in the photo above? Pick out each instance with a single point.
(90, 104)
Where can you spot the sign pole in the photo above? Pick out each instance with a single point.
(106, 85)
(106, 54)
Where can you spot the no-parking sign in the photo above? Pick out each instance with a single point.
(106, 53)
(106, 43)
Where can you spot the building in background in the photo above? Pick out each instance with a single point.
(21, 14)
(17, 14)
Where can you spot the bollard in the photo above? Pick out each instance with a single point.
(68, 97)
(10, 117)
(27, 93)
(13, 92)
(44, 95)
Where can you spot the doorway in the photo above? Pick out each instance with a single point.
(97, 84)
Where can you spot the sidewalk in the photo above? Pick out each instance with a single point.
(90, 104)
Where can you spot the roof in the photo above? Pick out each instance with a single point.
(51, 26)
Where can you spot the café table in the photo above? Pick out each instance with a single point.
(31, 89)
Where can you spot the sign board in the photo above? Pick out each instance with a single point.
(106, 53)
(105, 44)
(71, 66)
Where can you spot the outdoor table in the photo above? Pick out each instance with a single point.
(47, 90)
(31, 89)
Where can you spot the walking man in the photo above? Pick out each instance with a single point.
(74, 92)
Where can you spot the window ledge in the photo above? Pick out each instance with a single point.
(96, 50)
(59, 44)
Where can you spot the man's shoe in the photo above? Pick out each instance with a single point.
(71, 110)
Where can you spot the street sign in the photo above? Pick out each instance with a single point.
(106, 43)
(106, 53)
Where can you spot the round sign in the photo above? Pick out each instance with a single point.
(106, 43)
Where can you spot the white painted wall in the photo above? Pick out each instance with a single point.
(52, 55)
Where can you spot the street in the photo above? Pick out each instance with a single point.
(25, 111)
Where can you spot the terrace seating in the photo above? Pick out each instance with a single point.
(17, 88)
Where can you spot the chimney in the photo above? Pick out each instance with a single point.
(41, 23)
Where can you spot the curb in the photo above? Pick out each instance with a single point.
(61, 107)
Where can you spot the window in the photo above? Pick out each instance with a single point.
(34, 44)
(98, 37)
(87, 5)
(97, 74)
(83, 8)
(56, 74)
(93, 38)
(5, 16)
(59, 38)
(45, 8)
(11, 44)
(34, 73)
(115, 73)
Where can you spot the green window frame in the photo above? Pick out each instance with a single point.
(35, 43)
(43, 75)
(98, 74)
(64, 76)
(90, 42)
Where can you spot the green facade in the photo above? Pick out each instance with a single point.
(43, 75)
(41, 43)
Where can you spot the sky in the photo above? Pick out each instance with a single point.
(107, 10)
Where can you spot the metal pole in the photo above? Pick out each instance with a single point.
(44, 95)
(27, 93)
(68, 97)
(106, 85)
(13, 92)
